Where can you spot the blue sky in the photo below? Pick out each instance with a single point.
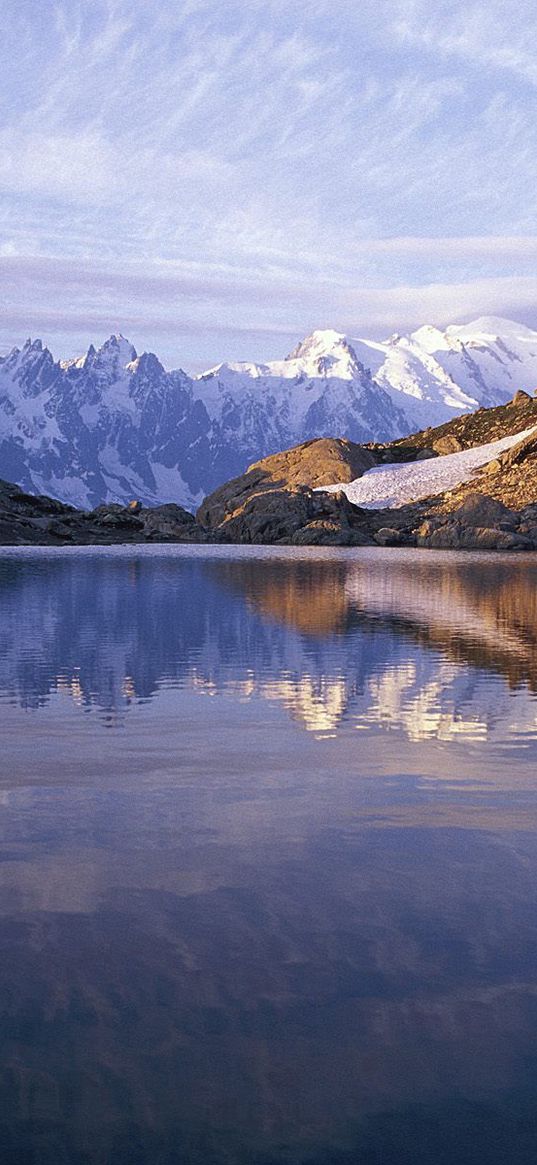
(216, 179)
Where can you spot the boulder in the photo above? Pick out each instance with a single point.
(326, 532)
(481, 510)
(521, 397)
(491, 467)
(389, 536)
(299, 516)
(456, 536)
(447, 444)
(171, 523)
(529, 530)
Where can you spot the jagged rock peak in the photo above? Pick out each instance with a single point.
(147, 365)
(32, 353)
(116, 350)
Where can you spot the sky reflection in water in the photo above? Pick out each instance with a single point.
(269, 857)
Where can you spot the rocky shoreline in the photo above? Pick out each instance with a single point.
(294, 517)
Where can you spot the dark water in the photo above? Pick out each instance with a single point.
(268, 877)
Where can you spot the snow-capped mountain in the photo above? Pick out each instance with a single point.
(112, 425)
(320, 389)
(442, 374)
(108, 426)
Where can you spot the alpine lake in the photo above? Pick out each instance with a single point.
(268, 877)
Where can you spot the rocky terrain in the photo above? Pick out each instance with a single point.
(28, 520)
(285, 499)
(496, 510)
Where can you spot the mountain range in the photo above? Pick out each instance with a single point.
(113, 425)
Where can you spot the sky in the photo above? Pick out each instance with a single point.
(215, 179)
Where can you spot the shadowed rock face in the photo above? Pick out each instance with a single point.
(27, 520)
(296, 516)
(274, 501)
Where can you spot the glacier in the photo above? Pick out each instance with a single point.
(112, 425)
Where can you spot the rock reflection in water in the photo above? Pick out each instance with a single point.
(409, 641)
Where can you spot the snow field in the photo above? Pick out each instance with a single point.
(388, 486)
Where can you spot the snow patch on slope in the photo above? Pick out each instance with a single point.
(388, 486)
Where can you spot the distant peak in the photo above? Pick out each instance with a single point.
(118, 343)
(428, 330)
(321, 342)
(31, 352)
(489, 326)
(116, 350)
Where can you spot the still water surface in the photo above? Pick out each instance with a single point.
(268, 877)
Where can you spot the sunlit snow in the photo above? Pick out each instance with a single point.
(387, 486)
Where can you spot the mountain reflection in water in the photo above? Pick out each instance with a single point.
(342, 641)
(269, 858)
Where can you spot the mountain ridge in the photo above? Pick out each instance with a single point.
(111, 424)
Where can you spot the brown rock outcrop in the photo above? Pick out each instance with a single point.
(275, 500)
(322, 461)
(454, 535)
(297, 515)
(313, 464)
(449, 443)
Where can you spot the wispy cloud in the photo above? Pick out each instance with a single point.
(192, 314)
(496, 35)
(286, 155)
